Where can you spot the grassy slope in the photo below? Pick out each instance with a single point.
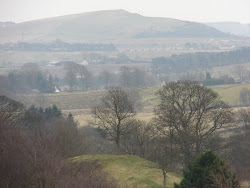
(230, 93)
(232, 27)
(84, 100)
(132, 171)
(86, 118)
(79, 103)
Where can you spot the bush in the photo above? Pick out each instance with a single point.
(208, 171)
(84, 174)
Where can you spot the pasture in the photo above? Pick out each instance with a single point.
(80, 103)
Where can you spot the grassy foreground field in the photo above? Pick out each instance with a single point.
(132, 171)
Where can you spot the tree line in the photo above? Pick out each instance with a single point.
(199, 60)
(79, 78)
(28, 78)
(35, 147)
(56, 46)
(31, 78)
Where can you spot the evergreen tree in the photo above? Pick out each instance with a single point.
(209, 171)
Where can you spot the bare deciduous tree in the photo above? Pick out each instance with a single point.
(115, 114)
(239, 144)
(138, 141)
(39, 157)
(75, 71)
(71, 74)
(85, 75)
(241, 72)
(244, 117)
(11, 112)
(131, 77)
(162, 152)
(136, 98)
(245, 97)
(40, 100)
(107, 78)
(193, 112)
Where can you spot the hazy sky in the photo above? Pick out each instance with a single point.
(192, 10)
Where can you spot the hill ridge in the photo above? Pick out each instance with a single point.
(105, 25)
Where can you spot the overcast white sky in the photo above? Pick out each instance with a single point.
(191, 10)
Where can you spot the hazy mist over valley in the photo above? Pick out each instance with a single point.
(124, 94)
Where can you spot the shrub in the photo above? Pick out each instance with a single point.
(208, 171)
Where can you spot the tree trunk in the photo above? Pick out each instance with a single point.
(187, 155)
(118, 146)
(83, 86)
(197, 143)
(118, 135)
(43, 182)
(198, 149)
(164, 178)
(86, 84)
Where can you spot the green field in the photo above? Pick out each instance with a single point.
(132, 171)
(85, 100)
(80, 103)
(230, 93)
(86, 119)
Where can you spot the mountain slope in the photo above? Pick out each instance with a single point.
(4, 24)
(104, 26)
(234, 28)
(131, 171)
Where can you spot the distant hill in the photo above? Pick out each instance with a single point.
(234, 28)
(132, 171)
(105, 25)
(4, 24)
